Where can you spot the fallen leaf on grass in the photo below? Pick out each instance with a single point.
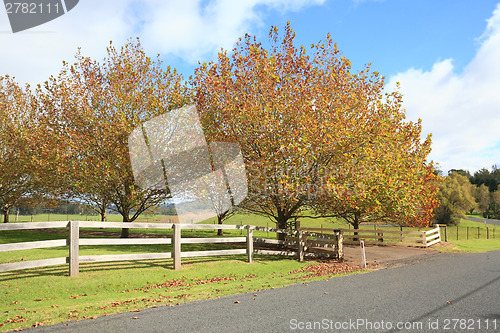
(323, 269)
(16, 319)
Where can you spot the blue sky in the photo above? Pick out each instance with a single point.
(444, 53)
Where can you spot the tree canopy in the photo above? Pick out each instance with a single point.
(301, 120)
(93, 107)
(19, 164)
(316, 136)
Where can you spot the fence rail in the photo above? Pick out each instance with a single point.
(300, 244)
(390, 237)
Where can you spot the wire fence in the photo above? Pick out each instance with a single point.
(466, 233)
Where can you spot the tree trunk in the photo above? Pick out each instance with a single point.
(220, 220)
(355, 225)
(281, 225)
(103, 216)
(125, 231)
(6, 215)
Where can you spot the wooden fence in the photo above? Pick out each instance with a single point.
(390, 237)
(300, 244)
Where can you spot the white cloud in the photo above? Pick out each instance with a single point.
(461, 110)
(190, 29)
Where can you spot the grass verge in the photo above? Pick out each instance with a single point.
(48, 296)
(472, 245)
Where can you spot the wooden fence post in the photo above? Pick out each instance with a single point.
(380, 235)
(300, 245)
(74, 240)
(250, 243)
(176, 246)
(487, 233)
(446, 233)
(340, 244)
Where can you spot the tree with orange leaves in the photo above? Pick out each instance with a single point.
(18, 163)
(301, 120)
(92, 109)
(387, 180)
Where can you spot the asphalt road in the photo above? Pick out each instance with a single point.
(442, 293)
(480, 219)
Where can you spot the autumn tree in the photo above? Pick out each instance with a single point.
(18, 162)
(94, 107)
(388, 179)
(295, 116)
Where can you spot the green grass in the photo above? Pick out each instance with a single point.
(473, 245)
(49, 296)
(66, 217)
(468, 240)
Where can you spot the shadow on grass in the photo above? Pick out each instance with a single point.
(167, 264)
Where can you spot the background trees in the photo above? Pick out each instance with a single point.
(490, 179)
(456, 198)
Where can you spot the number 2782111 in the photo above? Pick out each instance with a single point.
(32, 8)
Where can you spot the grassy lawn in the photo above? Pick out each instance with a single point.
(472, 245)
(46, 296)
(469, 229)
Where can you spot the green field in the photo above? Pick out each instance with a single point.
(473, 245)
